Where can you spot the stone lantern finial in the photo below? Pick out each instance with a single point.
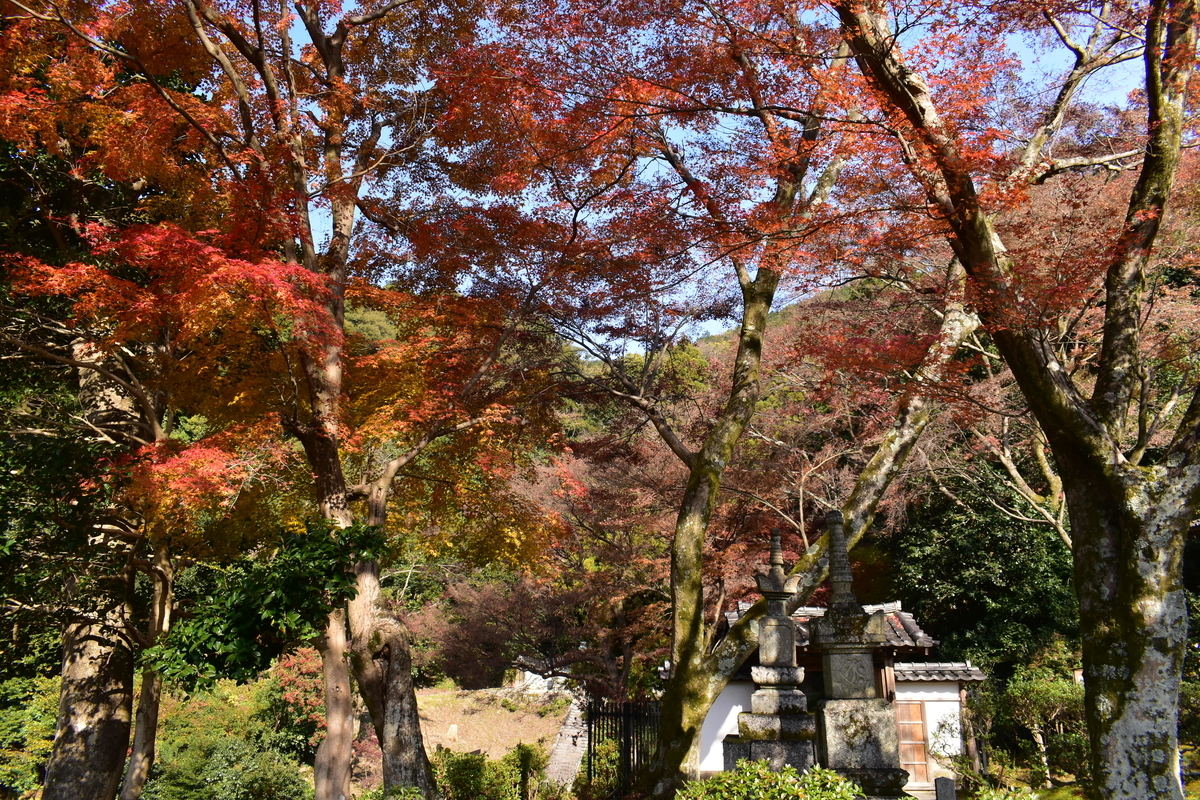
(840, 576)
(776, 548)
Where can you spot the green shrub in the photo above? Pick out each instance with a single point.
(209, 748)
(530, 763)
(473, 776)
(1005, 793)
(403, 793)
(554, 704)
(754, 780)
(604, 765)
(238, 771)
(28, 707)
(1068, 754)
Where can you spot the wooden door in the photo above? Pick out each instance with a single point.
(910, 723)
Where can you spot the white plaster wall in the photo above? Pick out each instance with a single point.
(927, 690)
(722, 720)
(945, 733)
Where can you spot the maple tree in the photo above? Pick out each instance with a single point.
(278, 139)
(92, 390)
(1130, 483)
(723, 124)
(622, 172)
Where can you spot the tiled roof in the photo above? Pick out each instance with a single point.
(901, 629)
(899, 626)
(938, 671)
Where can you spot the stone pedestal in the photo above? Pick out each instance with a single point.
(857, 738)
(856, 729)
(778, 727)
(777, 754)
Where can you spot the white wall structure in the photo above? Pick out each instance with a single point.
(929, 717)
(722, 721)
(942, 713)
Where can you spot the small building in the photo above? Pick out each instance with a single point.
(928, 695)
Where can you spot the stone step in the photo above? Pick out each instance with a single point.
(569, 746)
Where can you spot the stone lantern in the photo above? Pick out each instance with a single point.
(778, 727)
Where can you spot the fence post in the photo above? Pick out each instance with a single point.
(626, 746)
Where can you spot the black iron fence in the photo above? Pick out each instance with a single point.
(622, 739)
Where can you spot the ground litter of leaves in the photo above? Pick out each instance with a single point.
(493, 721)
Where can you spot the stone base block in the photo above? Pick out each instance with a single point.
(777, 676)
(779, 754)
(769, 700)
(858, 735)
(763, 727)
(878, 784)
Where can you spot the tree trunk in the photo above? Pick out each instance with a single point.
(1129, 527)
(145, 732)
(404, 760)
(692, 692)
(382, 663)
(1039, 744)
(686, 699)
(92, 733)
(1128, 521)
(331, 770)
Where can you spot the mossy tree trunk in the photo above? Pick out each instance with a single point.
(1128, 514)
(701, 669)
(688, 694)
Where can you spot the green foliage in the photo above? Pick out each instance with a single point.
(473, 776)
(467, 776)
(238, 771)
(603, 763)
(1005, 793)
(553, 705)
(210, 747)
(990, 588)
(1037, 697)
(370, 323)
(252, 609)
(402, 793)
(530, 763)
(754, 780)
(1068, 754)
(28, 707)
(48, 498)
(233, 770)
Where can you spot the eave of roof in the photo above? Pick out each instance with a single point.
(937, 671)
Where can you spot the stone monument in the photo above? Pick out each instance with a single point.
(778, 727)
(856, 728)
